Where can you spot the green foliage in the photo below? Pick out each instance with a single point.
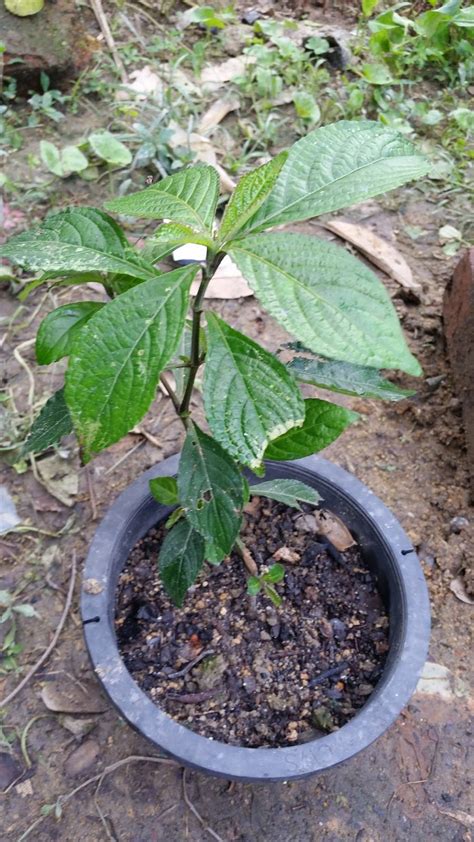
(62, 162)
(266, 581)
(9, 646)
(165, 490)
(289, 491)
(53, 422)
(110, 149)
(117, 351)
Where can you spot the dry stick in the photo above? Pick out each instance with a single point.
(194, 811)
(109, 39)
(63, 799)
(47, 652)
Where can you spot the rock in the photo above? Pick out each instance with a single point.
(457, 524)
(9, 770)
(67, 696)
(78, 726)
(286, 554)
(54, 43)
(82, 758)
(458, 316)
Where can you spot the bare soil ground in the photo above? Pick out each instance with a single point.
(413, 784)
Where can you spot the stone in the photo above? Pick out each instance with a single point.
(53, 42)
(458, 317)
(82, 758)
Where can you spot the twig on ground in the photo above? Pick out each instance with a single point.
(191, 664)
(109, 39)
(195, 813)
(246, 557)
(123, 458)
(62, 800)
(47, 652)
(137, 431)
(25, 366)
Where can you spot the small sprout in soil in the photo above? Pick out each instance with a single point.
(119, 351)
(266, 582)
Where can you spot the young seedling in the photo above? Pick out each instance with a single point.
(120, 350)
(265, 582)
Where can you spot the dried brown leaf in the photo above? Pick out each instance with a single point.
(381, 253)
(333, 528)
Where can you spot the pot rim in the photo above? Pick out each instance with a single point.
(392, 692)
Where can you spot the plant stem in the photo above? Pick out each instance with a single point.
(171, 393)
(210, 267)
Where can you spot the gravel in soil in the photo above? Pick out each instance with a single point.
(238, 669)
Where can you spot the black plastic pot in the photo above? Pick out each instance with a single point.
(388, 553)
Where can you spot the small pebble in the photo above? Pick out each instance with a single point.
(458, 524)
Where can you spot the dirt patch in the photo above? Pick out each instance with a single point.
(262, 675)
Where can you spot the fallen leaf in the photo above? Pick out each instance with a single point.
(82, 758)
(24, 789)
(436, 680)
(60, 478)
(458, 587)
(227, 283)
(78, 727)
(333, 528)
(68, 696)
(204, 151)
(213, 76)
(381, 253)
(216, 113)
(143, 83)
(8, 514)
(286, 554)
(459, 816)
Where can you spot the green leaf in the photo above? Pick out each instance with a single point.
(254, 586)
(347, 379)
(288, 491)
(323, 423)
(377, 74)
(211, 489)
(465, 18)
(58, 330)
(248, 396)
(273, 595)
(51, 158)
(107, 147)
(249, 195)
(306, 106)
(335, 166)
(176, 234)
(275, 574)
(165, 490)
(175, 515)
(25, 610)
(331, 301)
(317, 45)
(73, 160)
(189, 196)
(48, 428)
(119, 355)
(368, 7)
(6, 599)
(77, 240)
(181, 558)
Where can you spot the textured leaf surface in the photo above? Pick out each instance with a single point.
(110, 149)
(165, 490)
(323, 423)
(77, 240)
(249, 195)
(189, 196)
(58, 330)
(181, 558)
(336, 166)
(289, 491)
(119, 355)
(177, 234)
(53, 422)
(347, 378)
(334, 304)
(211, 490)
(248, 396)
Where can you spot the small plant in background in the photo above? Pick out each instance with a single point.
(9, 647)
(119, 351)
(44, 104)
(103, 146)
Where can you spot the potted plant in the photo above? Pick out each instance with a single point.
(224, 523)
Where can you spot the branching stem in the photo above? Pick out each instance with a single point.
(195, 358)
